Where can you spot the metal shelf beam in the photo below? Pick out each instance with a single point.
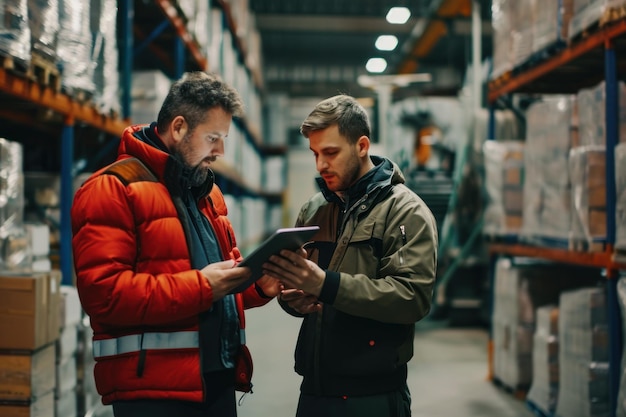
(45, 97)
(510, 83)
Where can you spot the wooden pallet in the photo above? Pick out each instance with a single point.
(519, 392)
(13, 64)
(82, 96)
(501, 79)
(612, 14)
(44, 72)
(620, 255)
(582, 245)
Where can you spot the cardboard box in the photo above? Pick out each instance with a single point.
(41, 407)
(25, 377)
(29, 316)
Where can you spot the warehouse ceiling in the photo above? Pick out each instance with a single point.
(320, 47)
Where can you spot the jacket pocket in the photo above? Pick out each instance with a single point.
(356, 346)
(364, 251)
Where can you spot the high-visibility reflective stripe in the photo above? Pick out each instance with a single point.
(134, 343)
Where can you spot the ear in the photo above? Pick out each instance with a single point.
(178, 128)
(363, 146)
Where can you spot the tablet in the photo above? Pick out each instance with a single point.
(290, 238)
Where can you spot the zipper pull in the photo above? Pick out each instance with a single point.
(403, 234)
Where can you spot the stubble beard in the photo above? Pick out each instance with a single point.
(198, 174)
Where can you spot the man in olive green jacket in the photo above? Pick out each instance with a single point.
(367, 277)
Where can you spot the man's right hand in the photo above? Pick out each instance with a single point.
(300, 301)
(223, 277)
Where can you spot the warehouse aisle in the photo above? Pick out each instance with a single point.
(447, 376)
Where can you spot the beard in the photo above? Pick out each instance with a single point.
(197, 174)
(348, 176)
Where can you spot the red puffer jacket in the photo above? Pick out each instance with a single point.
(135, 280)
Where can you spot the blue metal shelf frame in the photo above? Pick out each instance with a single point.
(67, 196)
(126, 10)
(612, 139)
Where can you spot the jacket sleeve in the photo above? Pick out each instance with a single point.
(217, 212)
(107, 231)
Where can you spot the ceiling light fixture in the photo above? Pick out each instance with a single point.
(398, 15)
(386, 43)
(396, 80)
(376, 65)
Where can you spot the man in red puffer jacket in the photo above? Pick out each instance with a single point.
(155, 259)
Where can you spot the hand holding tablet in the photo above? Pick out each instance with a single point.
(287, 238)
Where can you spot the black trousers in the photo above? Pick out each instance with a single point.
(391, 404)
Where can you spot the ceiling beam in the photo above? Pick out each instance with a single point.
(299, 23)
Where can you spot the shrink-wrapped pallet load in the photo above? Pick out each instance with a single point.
(583, 354)
(504, 172)
(551, 130)
(544, 388)
(588, 178)
(521, 286)
(14, 33)
(620, 201)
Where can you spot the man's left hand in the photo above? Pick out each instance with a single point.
(294, 271)
(271, 287)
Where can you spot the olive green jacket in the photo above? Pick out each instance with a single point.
(379, 249)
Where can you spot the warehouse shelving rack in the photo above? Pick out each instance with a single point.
(574, 67)
(136, 21)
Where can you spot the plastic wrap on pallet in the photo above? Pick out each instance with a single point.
(583, 354)
(592, 119)
(504, 164)
(14, 248)
(589, 13)
(587, 170)
(501, 17)
(522, 286)
(14, 30)
(74, 47)
(620, 202)
(621, 394)
(105, 55)
(551, 23)
(11, 186)
(196, 15)
(550, 131)
(523, 19)
(544, 387)
(43, 20)
(512, 22)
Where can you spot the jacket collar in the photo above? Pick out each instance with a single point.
(381, 177)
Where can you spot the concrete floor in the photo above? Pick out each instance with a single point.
(447, 375)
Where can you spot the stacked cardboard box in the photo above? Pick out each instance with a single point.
(620, 206)
(88, 397)
(501, 20)
(66, 401)
(522, 286)
(550, 133)
(29, 328)
(588, 178)
(621, 394)
(588, 13)
(545, 382)
(504, 168)
(583, 354)
(588, 167)
(551, 23)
